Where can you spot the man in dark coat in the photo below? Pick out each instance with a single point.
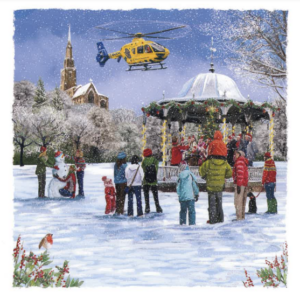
(231, 148)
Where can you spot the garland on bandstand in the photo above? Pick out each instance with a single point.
(208, 104)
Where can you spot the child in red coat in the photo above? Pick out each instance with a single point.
(70, 188)
(110, 195)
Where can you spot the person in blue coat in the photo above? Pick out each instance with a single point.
(188, 193)
(120, 182)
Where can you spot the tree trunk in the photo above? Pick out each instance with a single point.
(21, 154)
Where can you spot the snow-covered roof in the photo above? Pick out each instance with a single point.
(210, 85)
(82, 90)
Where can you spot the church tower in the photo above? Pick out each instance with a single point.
(68, 73)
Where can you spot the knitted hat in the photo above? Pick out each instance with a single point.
(268, 154)
(182, 166)
(229, 137)
(104, 178)
(57, 153)
(147, 152)
(249, 135)
(43, 149)
(121, 155)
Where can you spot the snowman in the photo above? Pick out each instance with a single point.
(60, 169)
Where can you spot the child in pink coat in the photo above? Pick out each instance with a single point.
(110, 195)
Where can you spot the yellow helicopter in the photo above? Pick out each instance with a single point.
(140, 54)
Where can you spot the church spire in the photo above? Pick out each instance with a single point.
(69, 36)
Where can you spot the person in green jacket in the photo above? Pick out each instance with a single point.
(214, 171)
(41, 171)
(150, 168)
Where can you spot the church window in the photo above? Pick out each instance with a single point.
(91, 97)
(103, 104)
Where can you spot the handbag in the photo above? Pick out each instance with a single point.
(127, 188)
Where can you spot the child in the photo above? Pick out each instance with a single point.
(70, 188)
(188, 193)
(110, 195)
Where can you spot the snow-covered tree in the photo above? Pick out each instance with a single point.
(47, 126)
(22, 129)
(59, 99)
(255, 42)
(40, 98)
(122, 115)
(24, 92)
(79, 127)
(103, 135)
(130, 139)
(280, 128)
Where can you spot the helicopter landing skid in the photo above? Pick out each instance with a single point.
(146, 67)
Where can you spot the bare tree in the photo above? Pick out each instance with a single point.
(22, 130)
(256, 43)
(47, 125)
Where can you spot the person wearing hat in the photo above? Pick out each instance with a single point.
(240, 179)
(214, 170)
(120, 182)
(40, 170)
(231, 148)
(176, 151)
(252, 149)
(269, 182)
(188, 194)
(110, 195)
(80, 167)
(70, 188)
(243, 143)
(150, 168)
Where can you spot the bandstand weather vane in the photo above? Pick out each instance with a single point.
(212, 69)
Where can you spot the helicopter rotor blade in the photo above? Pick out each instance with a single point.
(150, 33)
(119, 38)
(98, 27)
(158, 37)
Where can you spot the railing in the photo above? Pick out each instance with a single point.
(170, 174)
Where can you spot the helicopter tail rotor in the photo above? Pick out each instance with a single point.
(102, 56)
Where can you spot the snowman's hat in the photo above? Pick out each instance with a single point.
(57, 153)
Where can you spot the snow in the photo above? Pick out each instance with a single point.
(150, 251)
(82, 90)
(209, 86)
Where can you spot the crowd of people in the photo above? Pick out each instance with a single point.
(216, 160)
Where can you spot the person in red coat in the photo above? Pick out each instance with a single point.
(217, 147)
(70, 188)
(110, 195)
(176, 152)
(269, 181)
(240, 179)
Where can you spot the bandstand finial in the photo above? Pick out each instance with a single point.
(212, 69)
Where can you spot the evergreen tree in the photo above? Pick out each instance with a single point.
(57, 101)
(40, 98)
(210, 125)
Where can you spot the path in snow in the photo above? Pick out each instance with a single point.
(150, 251)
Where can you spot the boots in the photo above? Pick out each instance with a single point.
(158, 208)
(272, 206)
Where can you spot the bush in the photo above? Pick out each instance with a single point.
(274, 274)
(29, 270)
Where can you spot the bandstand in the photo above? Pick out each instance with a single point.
(208, 97)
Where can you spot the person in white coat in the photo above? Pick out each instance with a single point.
(134, 174)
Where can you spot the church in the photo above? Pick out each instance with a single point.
(78, 93)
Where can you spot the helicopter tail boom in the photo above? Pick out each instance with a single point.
(102, 55)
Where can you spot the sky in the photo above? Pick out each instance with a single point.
(41, 37)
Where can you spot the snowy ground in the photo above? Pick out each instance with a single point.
(150, 251)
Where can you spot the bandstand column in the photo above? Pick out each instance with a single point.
(163, 143)
(271, 134)
(144, 140)
(224, 130)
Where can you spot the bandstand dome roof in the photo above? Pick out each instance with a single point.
(209, 86)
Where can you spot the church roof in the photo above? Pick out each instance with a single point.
(82, 90)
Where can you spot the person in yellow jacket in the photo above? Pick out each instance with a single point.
(214, 170)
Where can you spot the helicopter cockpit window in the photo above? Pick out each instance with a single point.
(157, 47)
(140, 49)
(148, 49)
